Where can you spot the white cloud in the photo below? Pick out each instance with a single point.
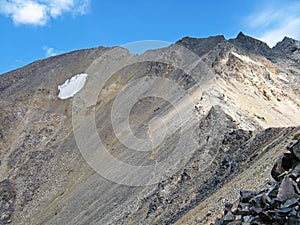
(50, 51)
(39, 12)
(275, 22)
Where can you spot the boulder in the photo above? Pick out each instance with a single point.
(245, 196)
(286, 190)
(295, 149)
(284, 163)
(296, 170)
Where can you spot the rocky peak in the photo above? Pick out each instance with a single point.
(201, 45)
(288, 45)
(251, 44)
(241, 37)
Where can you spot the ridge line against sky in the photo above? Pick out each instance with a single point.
(34, 29)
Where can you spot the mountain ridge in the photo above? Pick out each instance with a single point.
(221, 37)
(245, 106)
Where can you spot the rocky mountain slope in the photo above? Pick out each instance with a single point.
(213, 115)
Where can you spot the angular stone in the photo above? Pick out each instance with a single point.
(266, 200)
(229, 218)
(243, 209)
(256, 221)
(275, 203)
(284, 163)
(290, 203)
(273, 215)
(296, 170)
(246, 219)
(286, 189)
(284, 211)
(287, 161)
(293, 220)
(247, 195)
(256, 201)
(228, 207)
(265, 216)
(293, 213)
(272, 193)
(219, 221)
(242, 212)
(295, 149)
(256, 210)
(298, 187)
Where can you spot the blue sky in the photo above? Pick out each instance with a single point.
(35, 29)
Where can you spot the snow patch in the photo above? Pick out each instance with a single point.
(72, 86)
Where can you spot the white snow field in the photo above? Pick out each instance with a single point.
(72, 86)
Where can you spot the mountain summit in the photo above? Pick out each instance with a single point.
(165, 137)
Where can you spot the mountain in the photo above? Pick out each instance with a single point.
(159, 138)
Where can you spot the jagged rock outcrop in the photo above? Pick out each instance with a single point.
(252, 45)
(288, 45)
(201, 46)
(239, 105)
(277, 205)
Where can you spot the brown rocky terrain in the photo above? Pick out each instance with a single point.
(234, 111)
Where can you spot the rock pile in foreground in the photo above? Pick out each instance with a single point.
(280, 204)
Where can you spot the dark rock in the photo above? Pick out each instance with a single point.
(266, 200)
(228, 218)
(284, 211)
(256, 221)
(277, 206)
(152, 208)
(242, 212)
(290, 203)
(284, 163)
(228, 207)
(243, 209)
(1, 135)
(293, 213)
(295, 149)
(256, 210)
(286, 190)
(276, 203)
(7, 201)
(256, 201)
(273, 191)
(287, 45)
(219, 221)
(251, 44)
(247, 219)
(201, 45)
(293, 220)
(245, 196)
(296, 170)
(265, 216)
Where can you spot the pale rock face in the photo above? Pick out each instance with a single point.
(72, 86)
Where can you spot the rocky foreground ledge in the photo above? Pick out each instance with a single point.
(280, 204)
